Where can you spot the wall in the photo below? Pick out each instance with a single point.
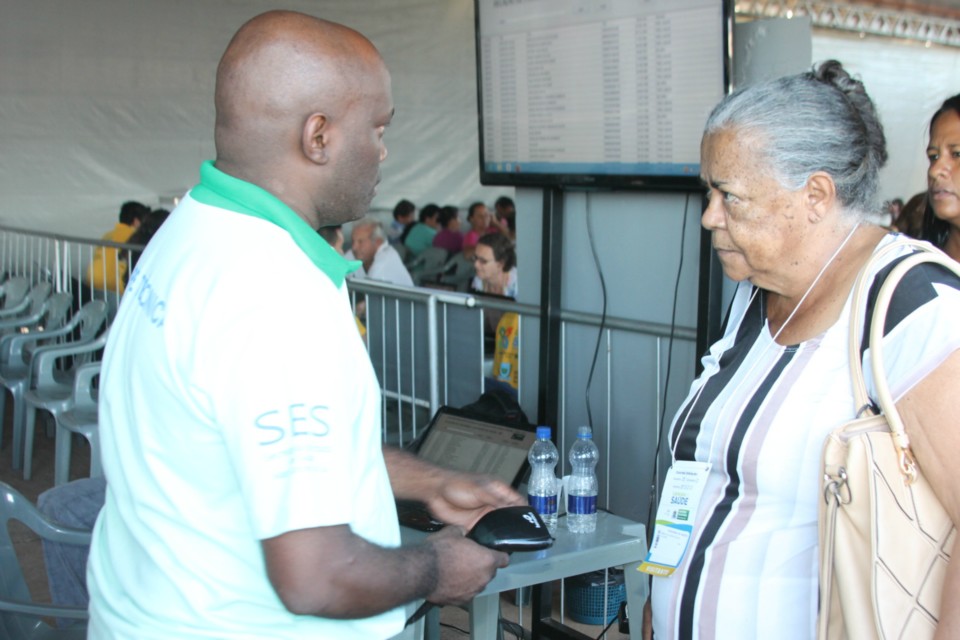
(643, 243)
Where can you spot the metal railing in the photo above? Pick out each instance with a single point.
(429, 347)
(65, 262)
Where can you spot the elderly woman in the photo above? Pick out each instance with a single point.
(791, 169)
(942, 219)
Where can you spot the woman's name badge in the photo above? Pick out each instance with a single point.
(675, 517)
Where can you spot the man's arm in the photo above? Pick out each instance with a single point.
(333, 573)
(454, 498)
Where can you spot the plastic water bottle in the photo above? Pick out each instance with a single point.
(544, 486)
(582, 484)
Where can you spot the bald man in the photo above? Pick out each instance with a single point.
(248, 495)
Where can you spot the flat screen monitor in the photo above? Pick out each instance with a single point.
(598, 93)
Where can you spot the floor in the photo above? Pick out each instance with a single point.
(455, 622)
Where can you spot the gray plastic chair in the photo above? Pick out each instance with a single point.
(459, 272)
(51, 388)
(82, 417)
(20, 617)
(14, 291)
(33, 308)
(18, 350)
(428, 265)
(56, 310)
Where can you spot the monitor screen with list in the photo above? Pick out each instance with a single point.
(606, 93)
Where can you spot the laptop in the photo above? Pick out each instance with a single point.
(458, 441)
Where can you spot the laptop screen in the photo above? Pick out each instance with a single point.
(467, 444)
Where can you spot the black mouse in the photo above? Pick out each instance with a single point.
(511, 529)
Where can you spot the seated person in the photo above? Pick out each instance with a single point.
(148, 227)
(404, 215)
(333, 234)
(107, 272)
(496, 263)
(449, 236)
(75, 504)
(420, 235)
(505, 217)
(478, 217)
(380, 260)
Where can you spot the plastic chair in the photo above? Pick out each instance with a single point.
(18, 350)
(428, 265)
(14, 291)
(402, 251)
(20, 617)
(56, 308)
(33, 308)
(458, 271)
(51, 388)
(82, 417)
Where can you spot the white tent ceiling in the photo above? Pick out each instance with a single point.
(107, 100)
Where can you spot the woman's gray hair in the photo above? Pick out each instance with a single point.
(821, 120)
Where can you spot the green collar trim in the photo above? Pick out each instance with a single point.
(218, 189)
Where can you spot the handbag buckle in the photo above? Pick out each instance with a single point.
(837, 487)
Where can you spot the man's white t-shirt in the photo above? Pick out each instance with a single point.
(238, 403)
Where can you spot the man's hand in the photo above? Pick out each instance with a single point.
(452, 497)
(463, 567)
(462, 499)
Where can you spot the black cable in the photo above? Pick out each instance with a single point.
(603, 313)
(666, 381)
(514, 629)
(609, 624)
(455, 628)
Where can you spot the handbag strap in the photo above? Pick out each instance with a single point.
(923, 253)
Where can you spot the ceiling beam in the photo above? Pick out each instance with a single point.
(872, 20)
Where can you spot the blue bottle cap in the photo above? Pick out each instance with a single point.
(585, 432)
(543, 433)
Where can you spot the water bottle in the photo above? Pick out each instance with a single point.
(544, 486)
(582, 484)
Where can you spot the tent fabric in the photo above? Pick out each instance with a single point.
(102, 101)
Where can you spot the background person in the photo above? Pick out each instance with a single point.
(147, 229)
(380, 260)
(791, 168)
(419, 236)
(449, 236)
(107, 272)
(404, 215)
(505, 217)
(942, 220)
(248, 492)
(495, 261)
(478, 217)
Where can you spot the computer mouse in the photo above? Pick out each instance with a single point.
(511, 529)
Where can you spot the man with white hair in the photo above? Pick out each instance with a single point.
(380, 260)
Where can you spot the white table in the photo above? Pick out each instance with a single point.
(617, 542)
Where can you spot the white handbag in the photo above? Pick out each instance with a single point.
(885, 539)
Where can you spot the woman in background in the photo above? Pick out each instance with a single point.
(496, 263)
(942, 218)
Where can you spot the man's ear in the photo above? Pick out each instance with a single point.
(820, 195)
(315, 139)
